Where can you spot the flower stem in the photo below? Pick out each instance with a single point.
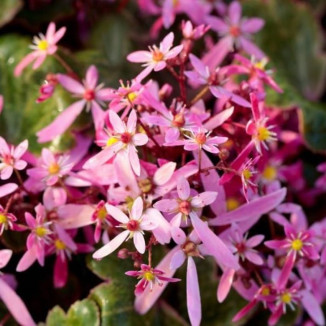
(199, 95)
(64, 64)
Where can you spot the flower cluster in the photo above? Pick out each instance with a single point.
(191, 165)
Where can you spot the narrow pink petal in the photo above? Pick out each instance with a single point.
(166, 205)
(250, 210)
(204, 199)
(132, 121)
(245, 310)
(254, 257)
(91, 77)
(139, 242)
(48, 156)
(39, 60)
(286, 270)
(98, 115)
(167, 42)
(164, 173)
(61, 123)
(213, 243)
(218, 52)
(27, 260)
(116, 122)
(15, 305)
(217, 24)
(252, 25)
(276, 244)
(140, 139)
(70, 84)
(312, 306)
(50, 31)
(74, 216)
(60, 273)
(234, 12)
(225, 284)
(24, 63)
(255, 240)
(222, 93)
(103, 156)
(183, 188)
(147, 299)
(162, 231)
(20, 149)
(251, 48)
(6, 172)
(193, 294)
(59, 34)
(117, 214)
(134, 160)
(139, 56)
(137, 208)
(199, 66)
(178, 259)
(178, 236)
(276, 315)
(5, 255)
(218, 119)
(111, 246)
(7, 189)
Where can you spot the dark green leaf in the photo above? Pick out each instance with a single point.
(56, 317)
(293, 41)
(8, 10)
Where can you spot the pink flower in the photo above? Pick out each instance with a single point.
(149, 276)
(199, 139)
(91, 95)
(257, 127)
(43, 46)
(11, 158)
(134, 226)
(243, 247)
(189, 32)
(156, 58)
(123, 139)
(256, 71)
(296, 243)
(202, 75)
(7, 220)
(51, 168)
(247, 174)
(100, 215)
(235, 34)
(185, 205)
(188, 247)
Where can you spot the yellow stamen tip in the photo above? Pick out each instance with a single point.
(297, 244)
(43, 45)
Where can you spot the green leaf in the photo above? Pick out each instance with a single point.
(56, 317)
(22, 117)
(81, 313)
(293, 40)
(8, 10)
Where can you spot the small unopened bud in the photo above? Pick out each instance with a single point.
(224, 154)
(123, 253)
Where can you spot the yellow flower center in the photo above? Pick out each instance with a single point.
(247, 174)
(59, 244)
(54, 168)
(43, 45)
(263, 134)
(111, 141)
(232, 203)
(149, 276)
(158, 56)
(270, 173)
(286, 297)
(145, 185)
(297, 244)
(102, 213)
(261, 64)
(265, 291)
(131, 96)
(3, 219)
(40, 231)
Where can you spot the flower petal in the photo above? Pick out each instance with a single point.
(193, 294)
